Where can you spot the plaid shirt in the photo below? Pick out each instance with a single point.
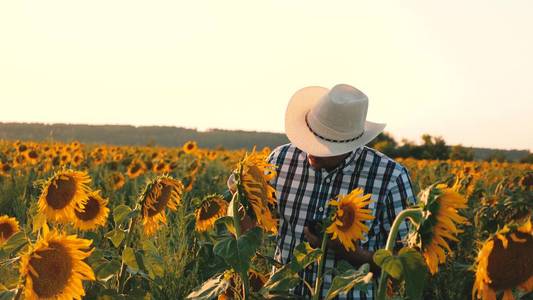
(302, 194)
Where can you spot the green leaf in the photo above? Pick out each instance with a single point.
(155, 265)
(116, 236)
(14, 244)
(389, 263)
(210, 289)
(130, 259)
(121, 213)
(107, 270)
(348, 280)
(304, 255)
(7, 295)
(281, 281)
(415, 273)
(238, 253)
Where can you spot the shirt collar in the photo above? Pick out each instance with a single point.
(348, 165)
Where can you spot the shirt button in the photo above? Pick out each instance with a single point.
(320, 209)
(328, 180)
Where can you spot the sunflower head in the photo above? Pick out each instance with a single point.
(136, 168)
(63, 193)
(349, 218)
(54, 267)
(8, 227)
(159, 193)
(254, 177)
(190, 147)
(440, 205)
(212, 208)
(504, 262)
(117, 180)
(93, 214)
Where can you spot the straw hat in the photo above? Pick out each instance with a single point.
(324, 122)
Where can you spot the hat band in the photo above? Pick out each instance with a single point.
(331, 140)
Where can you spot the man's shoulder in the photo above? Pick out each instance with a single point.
(282, 151)
(385, 161)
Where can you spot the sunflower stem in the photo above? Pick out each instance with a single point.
(322, 258)
(122, 274)
(237, 224)
(404, 214)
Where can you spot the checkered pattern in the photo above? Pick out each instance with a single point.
(302, 193)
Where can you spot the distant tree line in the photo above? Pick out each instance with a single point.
(430, 148)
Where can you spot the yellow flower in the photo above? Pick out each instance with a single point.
(93, 214)
(136, 168)
(63, 193)
(160, 193)
(117, 180)
(256, 173)
(8, 227)
(211, 209)
(54, 267)
(348, 221)
(505, 262)
(190, 147)
(440, 205)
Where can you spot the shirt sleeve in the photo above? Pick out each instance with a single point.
(399, 197)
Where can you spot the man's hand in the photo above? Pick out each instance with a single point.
(355, 258)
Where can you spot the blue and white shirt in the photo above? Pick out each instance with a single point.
(302, 194)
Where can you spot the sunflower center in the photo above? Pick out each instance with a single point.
(512, 266)
(54, 268)
(90, 211)
(347, 218)
(210, 210)
(135, 168)
(60, 192)
(6, 231)
(33, 154)
(161, 201)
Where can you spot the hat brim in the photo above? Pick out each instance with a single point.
(300, 135)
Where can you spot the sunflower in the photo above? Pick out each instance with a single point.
(348, 221)
(5, 168)
(256, 173)
(190, 147)
(8, 227)
(211, 209)
(117, 180)
(136, 168)
(504, 262)
(32, 156)
(94, 213)
(63, 193)
(162, 192)
(53, 268)
(440, 217)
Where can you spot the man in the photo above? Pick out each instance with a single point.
(327, 156)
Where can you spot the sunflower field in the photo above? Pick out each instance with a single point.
(116, 222)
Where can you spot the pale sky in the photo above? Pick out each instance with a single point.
(459, 69)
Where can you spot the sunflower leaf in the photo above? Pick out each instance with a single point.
(389, 263)
(210, 289)
(116, 236)
(238, 252)
(282, 280)
(305, 255)
(348, 280)
(121, 213)
(107, 270)
(15, 243)
(415, 272)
